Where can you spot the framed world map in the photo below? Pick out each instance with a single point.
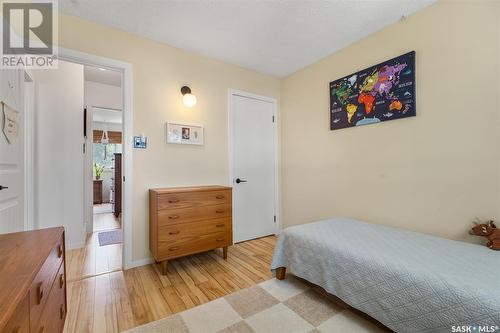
(379, 93)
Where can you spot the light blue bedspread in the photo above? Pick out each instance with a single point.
(408, 281)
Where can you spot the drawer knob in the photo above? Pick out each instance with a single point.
(219, 211)
(219, 196)
(61, 280)
(220, 239)
(61, 311)
(220, 225)
(173, 217)
(39, 293)
(173, 201)
(174, 232)
(59, 251)
(173, 248)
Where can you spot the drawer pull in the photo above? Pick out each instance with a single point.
(220, 225)
(59, 251)
(173, 217)
(61, 280)
(219, 211)
(61, 311)
(41, 329)
(219, 196)
(16, 329)
(173, 248)
(220, 239)
(174, 232)
(39, 293)
(173, 201)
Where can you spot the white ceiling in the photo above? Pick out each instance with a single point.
(107, 116)
(276, 37)
(102, 75)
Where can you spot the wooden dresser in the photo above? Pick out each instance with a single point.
(188, 220)
(32, 281)
(97, 191)
(117, 185)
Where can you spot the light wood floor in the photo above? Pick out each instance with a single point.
(93, 259)
(106, 221)
(117, 301)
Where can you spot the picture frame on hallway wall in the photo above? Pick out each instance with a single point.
(378, 93)
(187, 134)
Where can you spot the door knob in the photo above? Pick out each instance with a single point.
(240, 181)
(3, 187)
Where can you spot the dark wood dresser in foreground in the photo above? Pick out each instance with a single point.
(188, 220)
(32, 281)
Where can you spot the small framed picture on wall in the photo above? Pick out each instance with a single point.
(188, 134)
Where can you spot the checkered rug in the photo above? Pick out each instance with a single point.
(269, 307)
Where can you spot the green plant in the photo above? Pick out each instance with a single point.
(98, 170)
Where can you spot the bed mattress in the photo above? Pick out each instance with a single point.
(408, 281)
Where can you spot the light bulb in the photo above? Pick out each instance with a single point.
(189, 100)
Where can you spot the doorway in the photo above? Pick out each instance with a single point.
(81, 216)
(127, 135)
(253, 165)
(67, 166)
(104, 144)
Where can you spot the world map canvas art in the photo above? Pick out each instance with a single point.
(379, 93)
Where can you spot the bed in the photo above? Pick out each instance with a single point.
(408, 281)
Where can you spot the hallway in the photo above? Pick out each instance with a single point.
(93, 259)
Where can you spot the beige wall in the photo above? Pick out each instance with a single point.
(431, 173)
(159, 71)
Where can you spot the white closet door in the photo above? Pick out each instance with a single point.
(253, 151)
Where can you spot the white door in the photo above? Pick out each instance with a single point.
(59, 157)
(11, 151)
(252, 131)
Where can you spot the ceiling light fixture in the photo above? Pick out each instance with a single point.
(105, 137)
(188, 98)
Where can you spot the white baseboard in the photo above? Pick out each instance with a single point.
(140, 262)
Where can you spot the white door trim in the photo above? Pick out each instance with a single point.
(29, 122)
(277, 174)
(127, 185)
(88, 169)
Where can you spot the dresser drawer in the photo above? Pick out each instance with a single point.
(192, 230)
(60, 281)
(186, 246)
(193, 199)
(19, 322)
(182, 215)
(54, 312)
(42, 284)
